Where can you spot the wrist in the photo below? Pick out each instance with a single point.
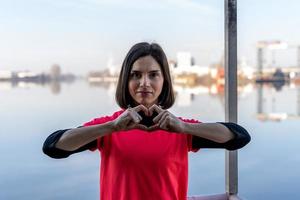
(106, 128)
(184, 127)
(190, 128)
(112, 127)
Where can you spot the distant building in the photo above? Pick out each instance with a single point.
(5, 75)
(26, 75)
(186, 65)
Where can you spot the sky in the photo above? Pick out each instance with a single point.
(84, 35)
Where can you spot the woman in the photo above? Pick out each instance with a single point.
(144, 147)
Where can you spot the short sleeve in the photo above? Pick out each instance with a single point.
(189, 136)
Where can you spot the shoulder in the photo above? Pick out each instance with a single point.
(103, 119)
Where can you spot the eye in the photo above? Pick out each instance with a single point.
(135, 75)
(153, 74)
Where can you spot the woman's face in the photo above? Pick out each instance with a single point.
(145, 81)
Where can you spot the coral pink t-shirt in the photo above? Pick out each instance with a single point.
(141, 165)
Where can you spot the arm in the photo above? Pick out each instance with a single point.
(205, 135)
(63, 143)
(240, 139)
(211, 131)
(50, 149)
(73, 139)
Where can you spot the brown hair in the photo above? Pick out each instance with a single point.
(166, 98)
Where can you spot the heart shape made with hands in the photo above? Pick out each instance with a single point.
(147, 120)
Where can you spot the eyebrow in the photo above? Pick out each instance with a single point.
(149, 71)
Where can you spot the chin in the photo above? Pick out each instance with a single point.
(146, 104)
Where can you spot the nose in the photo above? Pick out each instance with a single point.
(145, 81)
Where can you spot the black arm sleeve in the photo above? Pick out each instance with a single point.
(241, 138)
(51, 150)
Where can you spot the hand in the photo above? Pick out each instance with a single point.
(130, 119)
(165, 120)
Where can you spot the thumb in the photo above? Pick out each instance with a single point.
(142, 127)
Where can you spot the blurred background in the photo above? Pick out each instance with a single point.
(59, 63)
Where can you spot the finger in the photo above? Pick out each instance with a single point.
(160, 116)
(142, 127)
(126, 118)
(141, 108)
(156, 108)
(138, 115)
(165, 116)
(164, 124)
(135, 117)
(154, 127)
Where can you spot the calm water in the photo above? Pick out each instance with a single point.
(268, 166)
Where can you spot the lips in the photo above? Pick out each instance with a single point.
(144, 92)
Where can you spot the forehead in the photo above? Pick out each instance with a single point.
(146, 63)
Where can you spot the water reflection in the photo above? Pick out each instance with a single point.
(275, 104)
(30, 112)
(54, 86)
(272, 102)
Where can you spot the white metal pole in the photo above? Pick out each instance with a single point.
(231, 164)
